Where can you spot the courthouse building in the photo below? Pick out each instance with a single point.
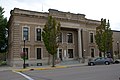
(76, 40)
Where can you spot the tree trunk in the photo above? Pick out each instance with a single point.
(104, 54)
(53, 61)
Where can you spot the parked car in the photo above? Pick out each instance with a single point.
(100, 60)
(117, 61)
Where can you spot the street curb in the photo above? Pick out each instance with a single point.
(47, 68)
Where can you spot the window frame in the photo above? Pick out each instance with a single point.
(61, 54)
(28, 32)
(40, 56)
(92, 54)
(68, 37)
(36, 53)
(36, 33)
(61, 38)
(91, 37)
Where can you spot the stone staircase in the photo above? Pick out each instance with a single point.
(69, 62)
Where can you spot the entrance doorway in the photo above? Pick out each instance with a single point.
(70, 53)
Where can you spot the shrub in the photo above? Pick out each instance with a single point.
(3, 63)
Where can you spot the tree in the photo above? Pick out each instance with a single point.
(103, 37)
(3, 31)
(50, 34)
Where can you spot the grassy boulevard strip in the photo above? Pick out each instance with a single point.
(47, 68)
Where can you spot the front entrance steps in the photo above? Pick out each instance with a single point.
(68, 62)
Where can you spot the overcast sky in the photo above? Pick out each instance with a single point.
(93, 9)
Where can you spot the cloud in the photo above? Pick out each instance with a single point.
(30, 1)
(93, 9)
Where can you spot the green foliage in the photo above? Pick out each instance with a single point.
(3, 56)
(103, 36)
(50, 36)
(3, 31)
(23, 55)
(2, 63)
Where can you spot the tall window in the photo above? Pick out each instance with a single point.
(38, 34)
(60, 37)
(70, 38)
(26, 51)
(91, 37)
(25, 33)
(92, 52)
(39, 53)
(70, 53)
(60, 54)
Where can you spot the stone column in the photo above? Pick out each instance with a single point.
(65, 55)
(79, 44)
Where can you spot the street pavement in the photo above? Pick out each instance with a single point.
(17, 73)
(10, 75)
(97, 72)
(4, 68)
(62, 72)
(19, 69)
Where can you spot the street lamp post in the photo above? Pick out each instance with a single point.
(83, 56)
(118, 47)
(24, 66)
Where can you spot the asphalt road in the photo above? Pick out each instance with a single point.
(10, 75)
(99, 72)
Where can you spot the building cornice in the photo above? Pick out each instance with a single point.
(28, 12)
(59, 15)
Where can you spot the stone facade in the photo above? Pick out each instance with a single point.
(116, 44)
(75, 26)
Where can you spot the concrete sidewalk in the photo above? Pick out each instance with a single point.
(4, 68)
(19, 69)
